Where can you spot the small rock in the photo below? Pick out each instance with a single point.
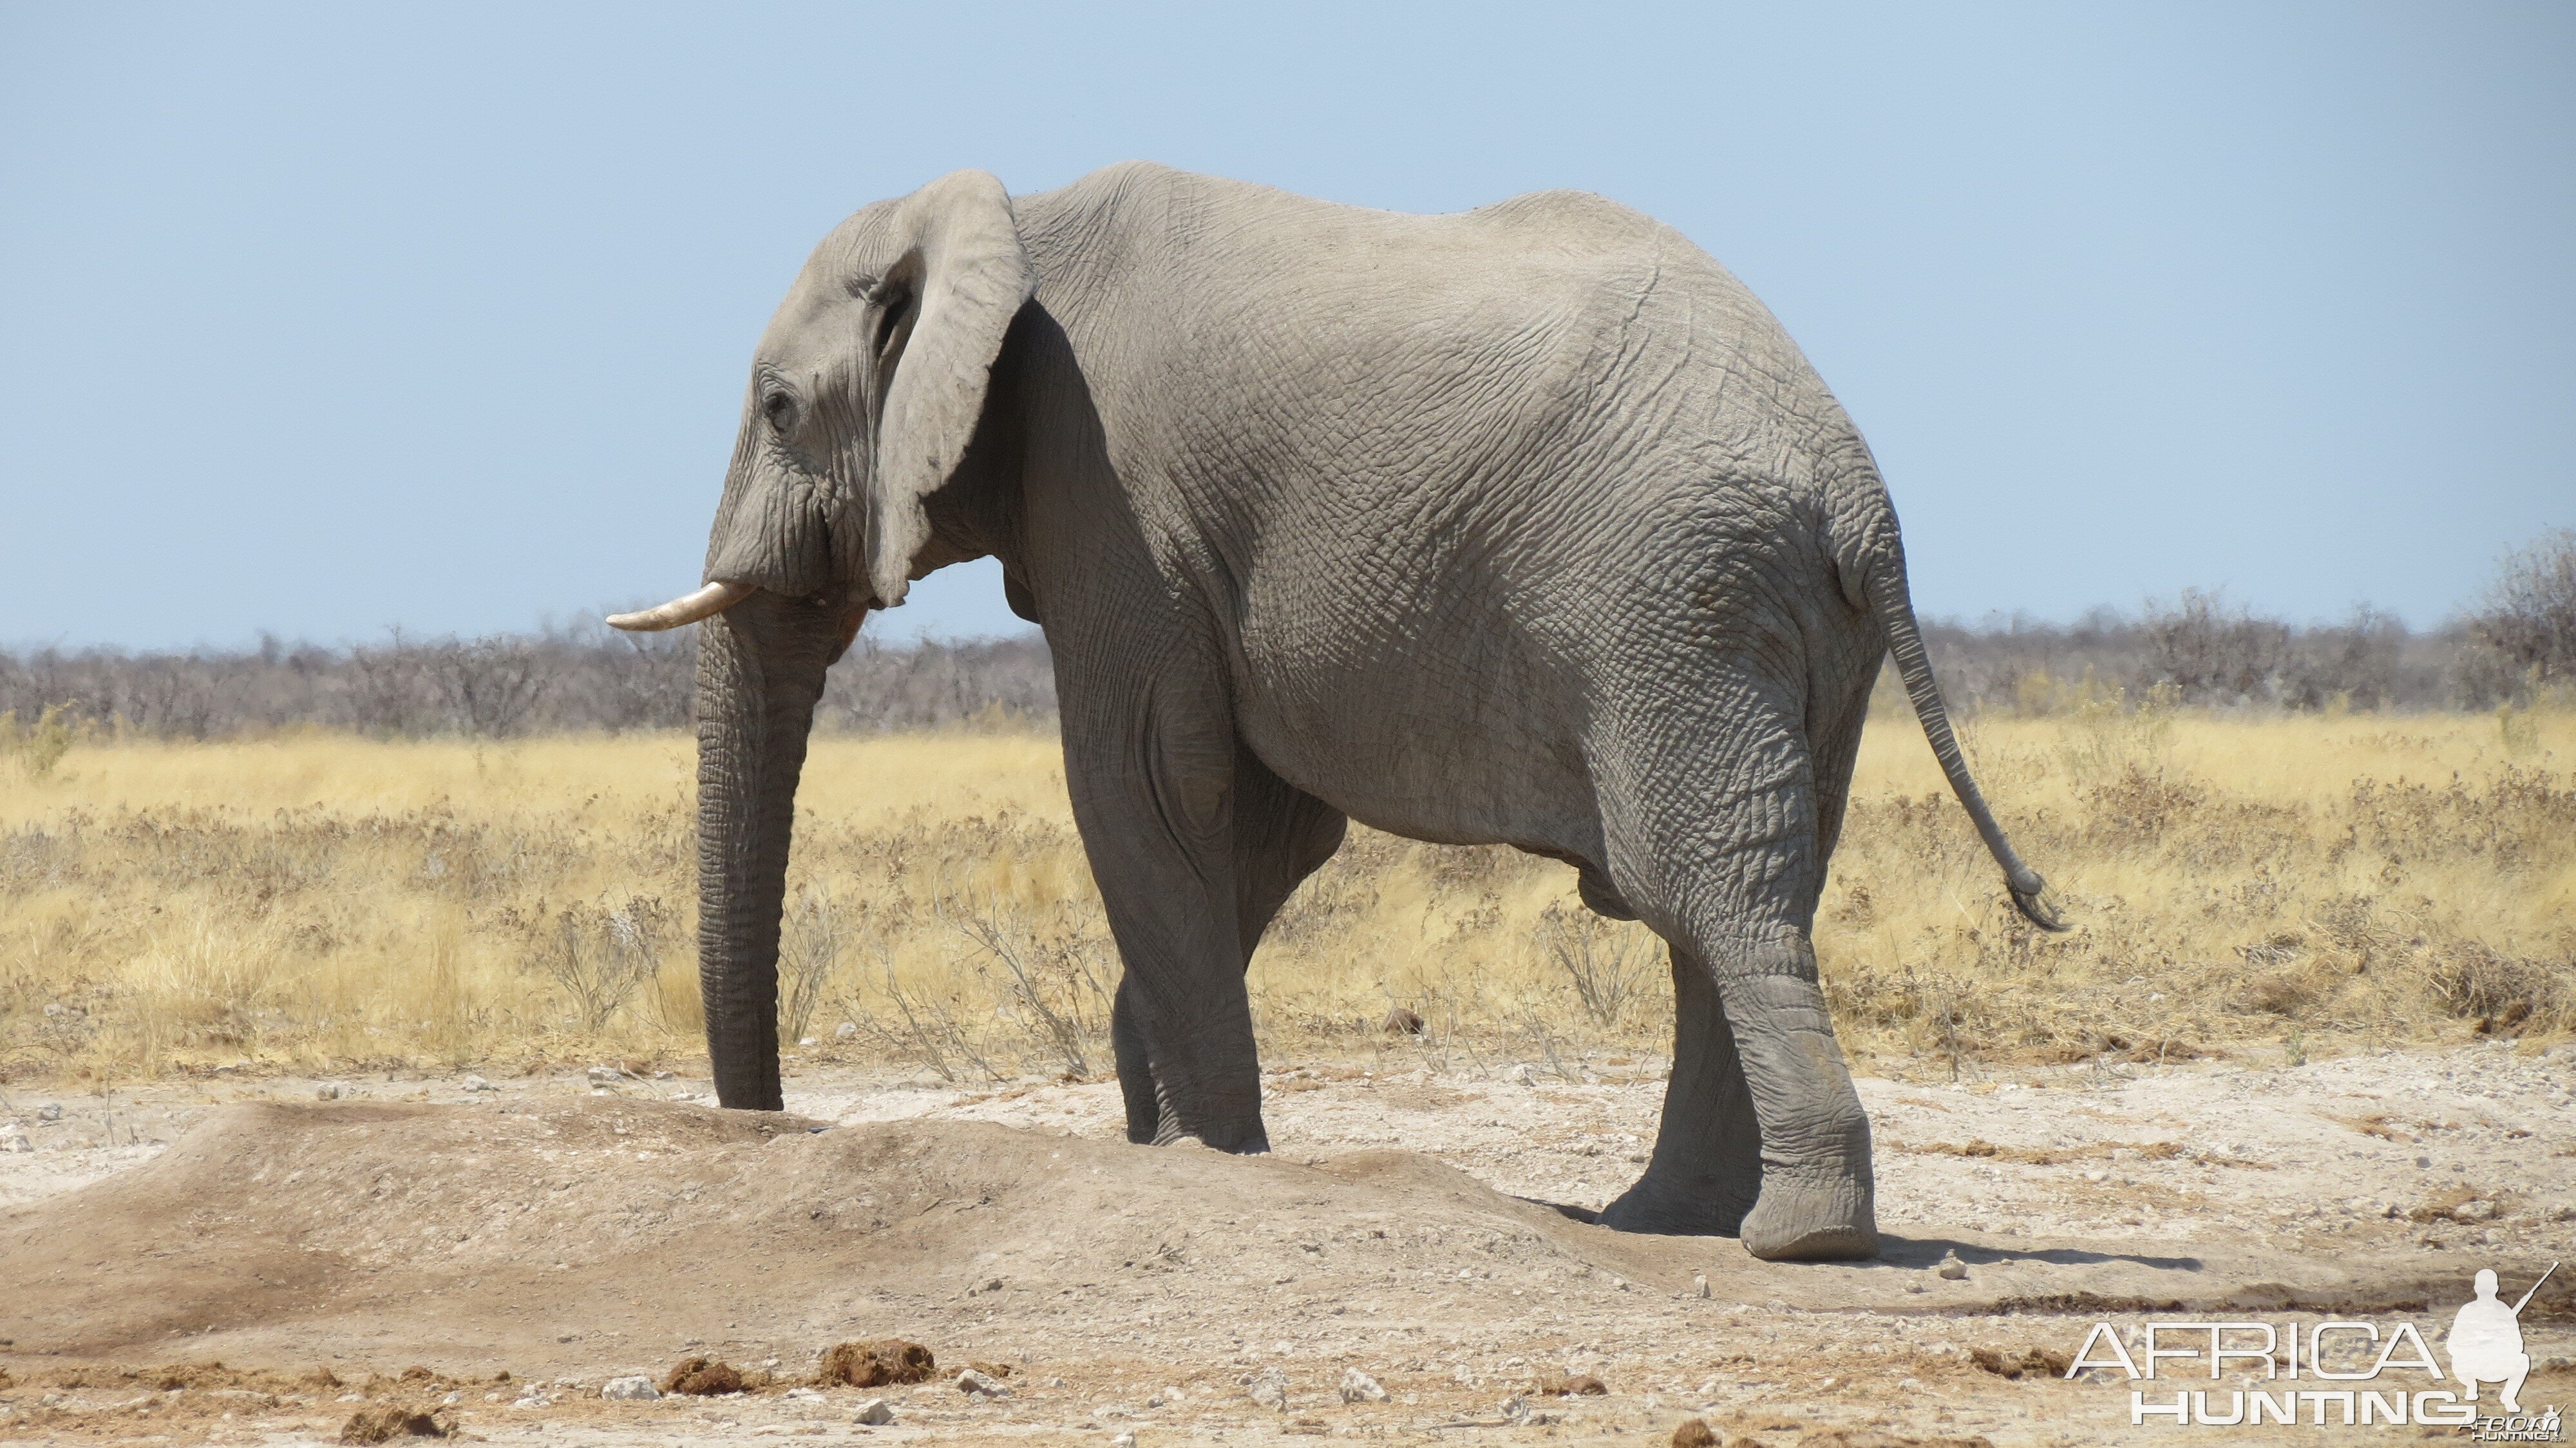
(1950, 1268)
(1359, 1387)
(15, 1140)
(809, 1041)
(604, 1075)
(1124, 1440)
(1516, 1407)
(477, 1083)
(989, 1284)
(635, 1388)
(977, 1384)
(875, 1412)
(846, 1031)
(1270, 1389)
(332, 1091)
(1521, 1075)
(50, 1112)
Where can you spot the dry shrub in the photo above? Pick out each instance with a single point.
(2037, 1362)
(1610, 965)
(2502, 992)
(2525, 628)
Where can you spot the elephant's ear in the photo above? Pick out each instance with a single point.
(968, 275)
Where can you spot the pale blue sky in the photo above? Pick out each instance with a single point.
(321, 319)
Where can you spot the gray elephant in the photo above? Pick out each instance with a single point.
(1524, 526)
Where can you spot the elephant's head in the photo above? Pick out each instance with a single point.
(865, 391)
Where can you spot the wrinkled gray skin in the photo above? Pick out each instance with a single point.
(1527, 525)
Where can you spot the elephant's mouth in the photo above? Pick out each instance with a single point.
(715, 598)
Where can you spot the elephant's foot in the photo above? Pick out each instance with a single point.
(1656, 1204)
(1812, 1219)
(1239, 1138)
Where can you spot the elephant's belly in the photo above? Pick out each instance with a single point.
(1425, 754)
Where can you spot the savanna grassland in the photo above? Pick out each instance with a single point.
(2259, 885)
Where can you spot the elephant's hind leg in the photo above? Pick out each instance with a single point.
(1716, 842)
(1707, 1167)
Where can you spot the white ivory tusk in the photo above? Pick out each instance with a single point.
(707, 602)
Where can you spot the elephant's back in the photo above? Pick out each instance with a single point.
(1551, 312)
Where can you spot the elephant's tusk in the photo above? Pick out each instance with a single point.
(707, 602)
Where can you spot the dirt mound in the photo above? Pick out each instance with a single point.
(614, 1233)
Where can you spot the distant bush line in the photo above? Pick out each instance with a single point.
(502, 686)
(2518, 645)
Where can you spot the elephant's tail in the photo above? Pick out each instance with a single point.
(1893, 602)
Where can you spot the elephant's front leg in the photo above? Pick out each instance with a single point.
(1150, 766)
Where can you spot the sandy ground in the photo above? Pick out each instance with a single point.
(1422, 1229)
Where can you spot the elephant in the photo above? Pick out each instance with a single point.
(1525, 525)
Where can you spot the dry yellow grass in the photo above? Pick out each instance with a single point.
(324, 902)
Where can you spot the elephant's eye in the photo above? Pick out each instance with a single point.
(780, 409)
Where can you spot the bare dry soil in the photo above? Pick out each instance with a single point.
(1425, 1230)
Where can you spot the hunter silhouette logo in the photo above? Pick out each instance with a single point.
(2361, 1371)
(2486, 1341)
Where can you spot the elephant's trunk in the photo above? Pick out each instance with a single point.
(760, 671)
